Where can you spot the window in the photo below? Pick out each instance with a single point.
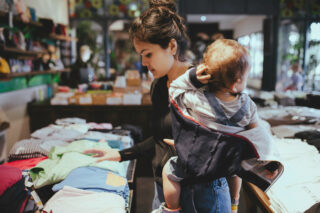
(254, 43)
(290, 51)
(312, 59)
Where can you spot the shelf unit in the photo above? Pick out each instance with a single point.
(18, 52)
(17, 20)
(9, 76)
(62, 37)
(9, 81)
(4, 17)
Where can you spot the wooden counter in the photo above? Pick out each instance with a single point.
(43, 114)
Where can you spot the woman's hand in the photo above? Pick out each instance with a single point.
(202, 76)
(104, 155)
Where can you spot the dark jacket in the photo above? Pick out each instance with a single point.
(154, 147)
(206, 154)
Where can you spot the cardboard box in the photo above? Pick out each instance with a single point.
(115, 99)
(72, 100)
(84, 99)
(133, 82)
(133, 78)
(132, 98)
(146, 99)
(99, 99)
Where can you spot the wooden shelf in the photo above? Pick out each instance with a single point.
(17, 20)
(62, 37)
(14, 75)
(18, 52)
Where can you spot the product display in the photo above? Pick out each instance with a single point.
(4, 66)
(47, 162)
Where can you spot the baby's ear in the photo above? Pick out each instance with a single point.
(234, 89)
(233, 86)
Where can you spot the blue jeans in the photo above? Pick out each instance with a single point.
(212, 197)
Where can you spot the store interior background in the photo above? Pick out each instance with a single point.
(275, 32)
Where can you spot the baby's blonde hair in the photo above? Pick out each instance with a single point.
(227, 61)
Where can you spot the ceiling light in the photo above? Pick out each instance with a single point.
(203, 18)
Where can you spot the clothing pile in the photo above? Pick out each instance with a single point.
(296, 135)
(13, 196)
(299, 186)
(291, 115)
(54, 170)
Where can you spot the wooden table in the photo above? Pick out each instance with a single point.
(131, 180)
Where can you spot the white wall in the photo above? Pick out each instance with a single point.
(14, 105)
(247, 25)
(57, 10)
(240, 24)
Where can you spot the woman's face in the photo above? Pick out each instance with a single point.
(158, 60)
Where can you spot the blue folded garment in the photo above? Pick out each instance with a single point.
(114, 144)
(95, 179)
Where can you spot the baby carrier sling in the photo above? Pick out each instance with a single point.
(207, 154)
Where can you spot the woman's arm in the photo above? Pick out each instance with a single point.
(143, 149)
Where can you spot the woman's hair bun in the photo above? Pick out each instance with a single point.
(170, 4)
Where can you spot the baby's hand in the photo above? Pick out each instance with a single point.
(272, 174)
(202, 76)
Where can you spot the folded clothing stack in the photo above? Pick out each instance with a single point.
(13, 196)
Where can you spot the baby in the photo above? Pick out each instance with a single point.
(214, 98)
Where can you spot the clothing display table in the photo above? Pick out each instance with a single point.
(56, 169)
(295, 131)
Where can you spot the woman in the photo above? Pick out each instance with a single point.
(159, 36)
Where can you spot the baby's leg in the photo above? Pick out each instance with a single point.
(235, 183)
(171, 190)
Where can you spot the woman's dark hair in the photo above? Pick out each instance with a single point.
(159, 24)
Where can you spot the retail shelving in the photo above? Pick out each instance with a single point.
(62, 37)
(4, 16)
(19, 52)
(32, 73)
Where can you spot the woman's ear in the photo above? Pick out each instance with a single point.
(173, 47)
